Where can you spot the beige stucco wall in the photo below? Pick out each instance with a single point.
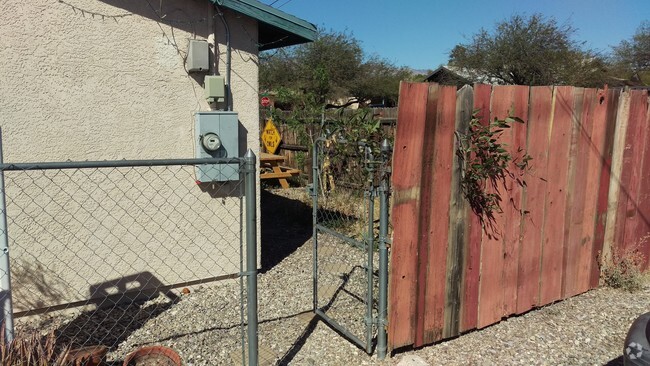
(105, 79)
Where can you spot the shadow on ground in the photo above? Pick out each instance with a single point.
(618, 361)
(286, 225)
(119, 312)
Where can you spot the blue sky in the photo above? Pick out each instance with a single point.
(420, 33)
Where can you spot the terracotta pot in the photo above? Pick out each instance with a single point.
(87, 356)
(154, 355)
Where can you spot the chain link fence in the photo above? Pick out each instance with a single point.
(110, 257)
(350, 212)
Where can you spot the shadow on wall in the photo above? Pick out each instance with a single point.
(120, 311)
(189, 16)
(179, 14)
(177, 22)
(35, 287)
(170, 15)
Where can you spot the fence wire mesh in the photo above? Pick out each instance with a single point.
(128, 256)
(347, 256)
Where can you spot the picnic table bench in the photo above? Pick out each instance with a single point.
(271, 168)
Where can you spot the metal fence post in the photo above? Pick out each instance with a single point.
(314, 194)
(5, 270)
(384, 191)
(370, 242)
(251, 255)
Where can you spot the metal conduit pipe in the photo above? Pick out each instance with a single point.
(228, 57)
(215, 62)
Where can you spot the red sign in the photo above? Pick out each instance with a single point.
(265, 101)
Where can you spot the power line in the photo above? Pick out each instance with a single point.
(271, 4)
(283, 4)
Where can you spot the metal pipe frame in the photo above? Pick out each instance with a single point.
(251, 256)
(5, 272)
(117, 163)
(383, 270)
(369, 270)
(384, 241)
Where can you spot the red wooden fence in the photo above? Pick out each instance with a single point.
(586, 193)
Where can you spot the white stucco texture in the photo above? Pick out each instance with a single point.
(105, 80)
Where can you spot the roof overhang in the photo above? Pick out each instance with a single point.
(275, 28)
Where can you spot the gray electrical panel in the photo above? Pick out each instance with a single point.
(217, 136)
(197, 56)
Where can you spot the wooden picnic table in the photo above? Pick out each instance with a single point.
(271, 167)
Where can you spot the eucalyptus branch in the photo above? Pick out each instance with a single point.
(486, 163)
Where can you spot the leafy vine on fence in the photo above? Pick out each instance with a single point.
(486, 163)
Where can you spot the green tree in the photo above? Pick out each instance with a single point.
(331, 68)
(378, 80)
(631, 58)
(530, 50)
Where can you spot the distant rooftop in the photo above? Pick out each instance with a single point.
(451, 75)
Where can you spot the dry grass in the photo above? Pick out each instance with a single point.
(32, 350)
(623, 269)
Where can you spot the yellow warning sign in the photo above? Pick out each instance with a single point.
(271, 137)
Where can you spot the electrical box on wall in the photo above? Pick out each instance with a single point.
(215, 88)
(197, 56)
(217, 136)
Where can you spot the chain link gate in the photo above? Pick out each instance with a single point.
(350, 193)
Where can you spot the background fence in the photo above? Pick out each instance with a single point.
(585, 194)
(124, 254)
(297, 138)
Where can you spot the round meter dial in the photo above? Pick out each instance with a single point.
(211, 142)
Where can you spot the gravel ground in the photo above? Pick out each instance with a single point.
(203, 326)
(588, 329)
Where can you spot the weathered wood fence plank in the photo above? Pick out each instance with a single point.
(539, 118)
(406, 183)
(576, 193)
(611, 100)
(556, 195)
(637, 141)
(642, 233)
(438, 221)
(470, 304)
(614, 229)
(585, 197)
(458, 225)
(491, 292)
(427, 284)
(594, 116)
(512, 200)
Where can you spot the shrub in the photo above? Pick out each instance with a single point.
(623, 269)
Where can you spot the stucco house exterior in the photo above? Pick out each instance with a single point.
(109, 80)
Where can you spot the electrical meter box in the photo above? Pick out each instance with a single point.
(216, 136)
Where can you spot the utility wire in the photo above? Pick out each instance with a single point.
(283, 4)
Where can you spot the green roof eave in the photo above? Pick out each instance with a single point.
(276, 28)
